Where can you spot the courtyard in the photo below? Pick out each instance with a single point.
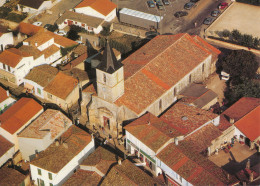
(238, 16)
(236, 159)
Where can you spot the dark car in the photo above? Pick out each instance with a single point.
(50, 27)
(194, 1)
(208, 21)
(180, 14)
(151, 4)
(215, 13)
(189, 5)
(165, 2)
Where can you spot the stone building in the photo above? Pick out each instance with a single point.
(148, 80)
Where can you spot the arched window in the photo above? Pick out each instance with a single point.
(104, 78)
(160, 104)
(174, 91)
(190, 78)
(203, 66)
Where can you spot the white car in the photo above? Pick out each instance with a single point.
(60, 32)
(37, 23)
(80, 42)
(224, 75)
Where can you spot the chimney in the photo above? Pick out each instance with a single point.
(176, 141)
(251, 177)
(119, 162)
(231, 120)
(7, 93)
(248, 164)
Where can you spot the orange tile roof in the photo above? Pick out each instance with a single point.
(102, 6)
(54, 158)
(84, 178)
(5, 146)
(185, 118)
(193, 167)
(149, 130)
(50, 50)
(28, 29)
(75, 62)
(250, 124)
(237, 111)
(10, 176)
(157, 66)
(3, 95)
(12, 57)
(62, 85)
(19, 114)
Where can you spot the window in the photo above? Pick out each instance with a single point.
(160, 104)
(174, 91)
(39, 172)
(104, 78)
(9, 68)
(39, 91)
(4, 66)
(190, 78)
(203, 66)
(50, 176)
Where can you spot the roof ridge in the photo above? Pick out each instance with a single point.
(247, 114)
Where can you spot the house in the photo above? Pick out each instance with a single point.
(57, 163)
(63, 90)
(89, 23)
(248, 127)
(5, 100)
(14, 65)
(33, 6)
(81, 75)
(233, 114)
(199, 96)
(42, 132)
(10, 176)
(103, 9)
(28, 29)
(148, 80)
(6, 38)
(162, 147)
(38, 78)
(6, 150)
(17, 117)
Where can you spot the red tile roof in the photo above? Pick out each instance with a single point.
(83, 177)
(157, 66)
(185, 118)
(3, 95)
(102, 6)
(9, 176)
(193, 167)
(12, 57)
(62, 85)
(28, 29)
(147, 130)
(237, 111)
(5, 146)
(19, 114)
(250, 124)
(75, 62)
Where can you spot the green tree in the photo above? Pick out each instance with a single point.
(247, 40)
(240, 64)
(256, 42)
(73, 35)
(226, 33)
(236, 35)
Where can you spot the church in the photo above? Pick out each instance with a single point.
(149, 80)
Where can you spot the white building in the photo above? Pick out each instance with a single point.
(5, 100)
(6, 39)
(32, 6)
(104, 9)
(58, 162)
(42, 132)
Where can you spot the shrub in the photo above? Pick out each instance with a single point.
(4, 11)
(16, 17)
(226, 33)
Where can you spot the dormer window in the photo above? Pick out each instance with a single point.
(104, 78)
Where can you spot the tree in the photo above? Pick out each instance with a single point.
(236, 35)
(226, 33)
(73, 35)
(240, 64)
(247, 88)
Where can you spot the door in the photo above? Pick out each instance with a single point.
(106, 122)
(70, 22)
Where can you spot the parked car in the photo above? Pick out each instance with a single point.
(194, 1)
(37, 23)
(224, 75)
(60, 32)
(180, 14)
(151, 4)
(80, 42)
(215, 13)
(208, 21)
(189, 5)
(160, 6)
(166, 2)
(222, 5)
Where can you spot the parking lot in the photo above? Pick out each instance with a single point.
(192, 23)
